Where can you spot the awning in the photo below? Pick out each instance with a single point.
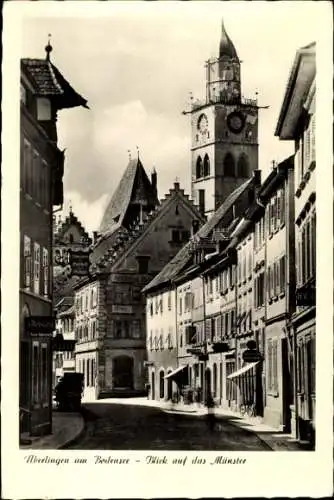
(175, 372)
(242, 370)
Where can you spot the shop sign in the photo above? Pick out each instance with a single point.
(251, 356)
(40, 325)
(79, 260)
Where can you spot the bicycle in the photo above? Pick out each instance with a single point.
(248, 408)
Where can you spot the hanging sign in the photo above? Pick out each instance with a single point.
(79, 261)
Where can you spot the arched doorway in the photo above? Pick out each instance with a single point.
(161, 384)
(123, 372)
(153, 385)
(169, 386)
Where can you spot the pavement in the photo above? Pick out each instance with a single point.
(67, 427)
(273, 438)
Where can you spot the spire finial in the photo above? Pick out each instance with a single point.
(48, 48)
(70, 208)
(137, 152)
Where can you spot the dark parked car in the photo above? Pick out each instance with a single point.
(69, 391)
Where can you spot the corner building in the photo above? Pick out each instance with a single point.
(44, 91)
(138, 236)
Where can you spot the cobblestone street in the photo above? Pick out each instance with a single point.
(130, 427)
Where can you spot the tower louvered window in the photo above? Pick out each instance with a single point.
(206, 166)
(229, 165)
(243, 166)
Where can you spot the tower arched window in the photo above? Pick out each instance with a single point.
(243, 166)
(199, 168)
(206, 165)
(229, 165)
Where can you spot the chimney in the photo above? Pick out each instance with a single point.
(194, 227)
(154, 180)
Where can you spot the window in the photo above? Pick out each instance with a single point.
(44, 374)
(259, 290)
(27, 262)
(169, 301)
(23, 94)
(37, 257)
(136, 331)
(243, 166)
(143, 264)
(201, 200)
(176, 236)
(36, 176)
(206, 166)
(272, 367)
(43, 109)
(27, 167)
(199, 168)
(307, 148)
(282, 275)
(232, 320)
(226, 324)
(212, 329)
(229, 165)
(46, 272)
(313, 144)
(35, 368)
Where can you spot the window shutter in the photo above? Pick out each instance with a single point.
(313, 140)
(270, 368)
(207, 329)
(279, 204)
(275, 378)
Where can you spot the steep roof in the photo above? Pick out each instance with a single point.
(49, 82)
(179, 262)
(134, 186)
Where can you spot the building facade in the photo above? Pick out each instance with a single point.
(204, 316)
(43, 93)
(224, 132)
(135, 242)
(297, 123)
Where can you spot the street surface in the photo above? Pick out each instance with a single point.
(131, 427)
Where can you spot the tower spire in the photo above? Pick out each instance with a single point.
(226, 47)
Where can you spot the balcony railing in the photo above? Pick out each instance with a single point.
(199, 103)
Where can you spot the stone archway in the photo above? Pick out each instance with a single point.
(123, 372)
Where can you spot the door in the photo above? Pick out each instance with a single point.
(123, 372)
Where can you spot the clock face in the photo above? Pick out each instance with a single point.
(236, 122)
(202, 124)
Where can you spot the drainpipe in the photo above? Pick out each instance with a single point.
(294, 336)
(237, 326)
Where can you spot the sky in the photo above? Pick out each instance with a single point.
(137, 62)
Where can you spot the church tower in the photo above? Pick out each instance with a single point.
(224, 132)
